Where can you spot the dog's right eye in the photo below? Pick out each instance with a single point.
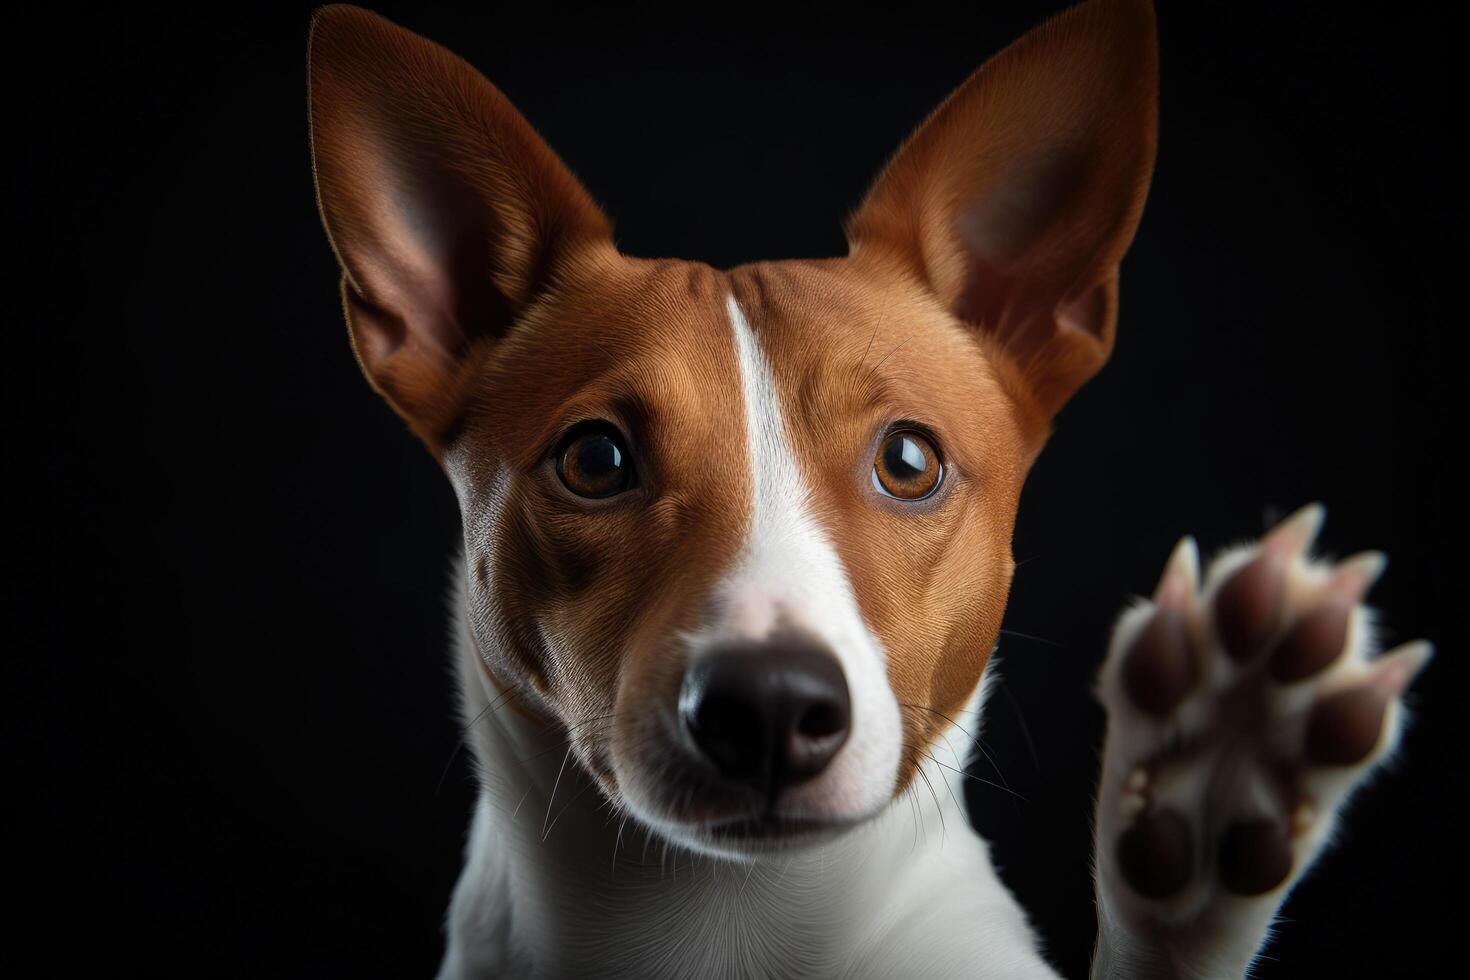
(907, 466)
(593, 462)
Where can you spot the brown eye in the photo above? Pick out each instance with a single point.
(594, 463)
(907, 467)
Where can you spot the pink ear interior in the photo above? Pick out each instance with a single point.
(1016, 200)
(446, 210)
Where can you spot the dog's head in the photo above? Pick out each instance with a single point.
(745, 534)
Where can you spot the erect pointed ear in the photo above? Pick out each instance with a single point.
(1017, 198)
(446, 210)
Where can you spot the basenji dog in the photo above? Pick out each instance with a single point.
(737, 543)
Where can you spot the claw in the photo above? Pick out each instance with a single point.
(1180, 580)
(1296, 534)
(1356, 575)
(1396, 669)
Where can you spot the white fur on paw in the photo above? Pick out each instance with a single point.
(1243, 708)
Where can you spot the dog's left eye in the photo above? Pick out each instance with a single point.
(907, 466)
(594, 462)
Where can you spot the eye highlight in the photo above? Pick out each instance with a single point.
(593, 462)
(907, 466)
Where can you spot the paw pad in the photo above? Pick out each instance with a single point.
(1345, 727)
(1255, 857)
(1249, 606)
(1313, 643)
(1161, 668)
(1156, 854)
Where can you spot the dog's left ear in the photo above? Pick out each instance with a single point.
(1016, 200)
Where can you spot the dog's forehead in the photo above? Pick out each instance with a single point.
(643, 343)
(651, 345)
(853, 347)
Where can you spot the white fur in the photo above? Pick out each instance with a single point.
(911, 893)
(789, 571)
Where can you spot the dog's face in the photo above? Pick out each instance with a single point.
(744, 535)
(723, 470)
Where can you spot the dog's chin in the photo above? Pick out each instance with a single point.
(754, 836)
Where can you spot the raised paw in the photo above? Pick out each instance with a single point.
(1242, 711)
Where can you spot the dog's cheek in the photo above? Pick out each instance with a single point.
(509, 581)
(937, 610)
(974, 585)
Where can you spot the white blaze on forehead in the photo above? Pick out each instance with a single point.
(788, 571)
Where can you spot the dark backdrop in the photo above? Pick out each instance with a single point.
(232, 558)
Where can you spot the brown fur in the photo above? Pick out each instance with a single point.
(980, 291)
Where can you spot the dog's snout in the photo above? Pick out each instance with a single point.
(767, 714)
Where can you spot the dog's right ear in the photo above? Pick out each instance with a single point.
(447, 212)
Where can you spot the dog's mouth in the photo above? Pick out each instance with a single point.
(738, 820)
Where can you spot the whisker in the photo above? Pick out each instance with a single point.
(982, 780)
(1021, 720)
(908, 793)
(572, 730)
(938, 808)
(874, 369)
(618, 843)
(518, 805)
(484, 712)
(1034, 639)
(868, 349)
(976, 739)
(565, 807)
(882, 315)
(954, 799)
(554, 785)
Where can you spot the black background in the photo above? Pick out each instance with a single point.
(230, 558)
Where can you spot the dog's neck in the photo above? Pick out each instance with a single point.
(556, 874)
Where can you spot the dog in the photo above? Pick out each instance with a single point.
(737, 543)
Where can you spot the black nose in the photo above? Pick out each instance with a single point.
(769, 714)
